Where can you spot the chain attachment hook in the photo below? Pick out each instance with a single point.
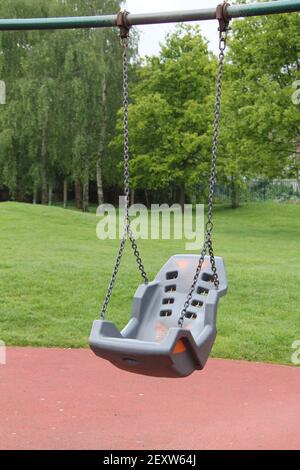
(224, 22)
(122, 23)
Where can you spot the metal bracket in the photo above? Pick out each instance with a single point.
(122, 23)
(223, 17)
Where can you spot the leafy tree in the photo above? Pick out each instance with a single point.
(262, 124)
(64, 91)
(63, 96)
(169, 116)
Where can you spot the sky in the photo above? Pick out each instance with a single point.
(152, 35)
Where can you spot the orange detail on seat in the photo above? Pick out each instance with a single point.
(182, 263)
(161, 331)
(179, 347)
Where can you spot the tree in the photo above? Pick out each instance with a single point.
(261, 122)
(168, 117)
(67, 84)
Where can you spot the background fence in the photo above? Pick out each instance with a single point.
(264, 190)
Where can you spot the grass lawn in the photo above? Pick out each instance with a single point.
(54, 273)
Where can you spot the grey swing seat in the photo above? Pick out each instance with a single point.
(152, 343)
(173, 320)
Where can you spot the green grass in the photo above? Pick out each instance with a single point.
(54, 273)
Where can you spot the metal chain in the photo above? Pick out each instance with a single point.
(114, 276)
(127, 222)
(208, 244)
(125, 43)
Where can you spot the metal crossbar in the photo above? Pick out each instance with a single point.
(233, 11)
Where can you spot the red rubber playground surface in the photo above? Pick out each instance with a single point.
(69, 399)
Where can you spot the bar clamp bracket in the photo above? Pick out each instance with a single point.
(122, 23)
(223, 17)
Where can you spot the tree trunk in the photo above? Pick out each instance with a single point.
(85, 196)
(65, 193)
(235, 197)
(147, 198)
(78, 194)
(50, 194)
(99, 181)
(101, 144)
(182, 196)
(34, 200)
(86, 189)
(44, 189)
(132, 196)
(44, 161)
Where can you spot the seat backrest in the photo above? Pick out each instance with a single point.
(174, 281)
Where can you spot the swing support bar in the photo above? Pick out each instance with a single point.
(233, 11)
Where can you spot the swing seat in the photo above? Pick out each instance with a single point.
(152, 343)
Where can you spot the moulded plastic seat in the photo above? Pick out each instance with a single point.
(152, 343)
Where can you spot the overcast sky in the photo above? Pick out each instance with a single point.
(152, 35)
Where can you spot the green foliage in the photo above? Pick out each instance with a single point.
(64, 93)
(171, 114)
(261, 123)
(54, 109)
(173, 101)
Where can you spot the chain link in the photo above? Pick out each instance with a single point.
(208, 244)
(127, 222)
